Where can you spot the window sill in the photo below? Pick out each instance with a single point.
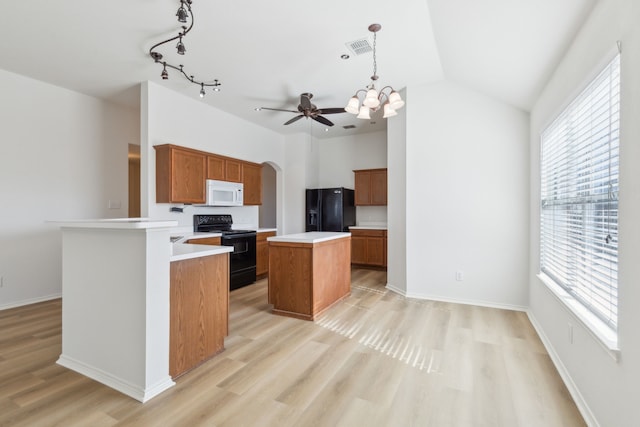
(604, 335)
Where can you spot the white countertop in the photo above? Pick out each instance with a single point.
(183, 237)
(266, 230)
(117, 223)
(368, 227)
(182, 251)
(310, 237)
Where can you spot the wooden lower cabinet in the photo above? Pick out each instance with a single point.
(199, 311)
(369, 248)
(305, 279)
(214, 241)
(262, 252)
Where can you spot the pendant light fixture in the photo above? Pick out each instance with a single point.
(184, 14)
(387, 98)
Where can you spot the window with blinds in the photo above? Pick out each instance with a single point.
(579, 196)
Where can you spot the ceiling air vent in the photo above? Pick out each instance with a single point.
(358, 47)
(349, 127)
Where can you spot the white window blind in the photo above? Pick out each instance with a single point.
(579, 196)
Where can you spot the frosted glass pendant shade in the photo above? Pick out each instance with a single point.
(353, 106)
(388, 111)
(395, 100)
(371, 100)
(364, 113)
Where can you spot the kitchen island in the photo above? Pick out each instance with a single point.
(116, 301)
(308, 272)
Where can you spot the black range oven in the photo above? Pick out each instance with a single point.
(242, 261)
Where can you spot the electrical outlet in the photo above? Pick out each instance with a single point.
(459, 275)
(114, 204)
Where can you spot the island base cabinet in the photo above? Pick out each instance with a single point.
(199, 311)
(306, 279)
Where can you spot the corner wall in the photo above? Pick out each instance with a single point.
(467, 184)
(64, 156)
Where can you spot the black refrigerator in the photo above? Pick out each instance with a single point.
(330, 209)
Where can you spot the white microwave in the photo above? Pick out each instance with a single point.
(224, 193)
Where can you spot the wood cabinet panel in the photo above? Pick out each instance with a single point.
(305, 279)
(252, 180)
(199, 311)
(370, 187)
(362, 188)
(262, 252)
(379, 187)
(216, 168)
(369, 248)
(180, 175)
(215, 241)
(233, 170)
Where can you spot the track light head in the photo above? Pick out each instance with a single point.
(182, 13)
(180, 47)
(202, 90)
(164, 74)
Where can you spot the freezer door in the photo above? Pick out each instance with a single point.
(331, 208)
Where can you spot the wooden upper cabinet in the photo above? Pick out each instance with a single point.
(224, 168)
(180, 175)
(216, 168)
(371, 187)
(233, 170)
(252, 180)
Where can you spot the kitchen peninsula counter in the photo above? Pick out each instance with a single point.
(121, 282)
(308, 272)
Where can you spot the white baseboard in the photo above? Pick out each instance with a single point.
(29, 301)
(479, 303)
(582, 405)
(139, 393)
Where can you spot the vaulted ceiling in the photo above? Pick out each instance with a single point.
(268, 53)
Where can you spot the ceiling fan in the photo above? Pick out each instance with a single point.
(309, 110)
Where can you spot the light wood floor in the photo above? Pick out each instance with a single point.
(375, 359)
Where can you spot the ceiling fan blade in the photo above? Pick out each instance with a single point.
(278, 109)
(331, 110)
(295, 119)
(305, 101)
(322, 120)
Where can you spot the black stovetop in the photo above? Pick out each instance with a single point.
(218, 223)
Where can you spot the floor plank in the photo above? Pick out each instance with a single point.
(374, 359)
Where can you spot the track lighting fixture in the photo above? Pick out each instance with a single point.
(180, 46)
(373, 99)
(184, 14)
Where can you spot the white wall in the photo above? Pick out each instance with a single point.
(300, 173)
(397, 200)
(606, 390)
(467, 189)
(63, 156)
(339, 157)
(169, 117)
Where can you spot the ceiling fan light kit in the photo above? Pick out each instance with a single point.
(373, 100)
(184, 14)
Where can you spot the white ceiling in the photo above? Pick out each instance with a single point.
(267, 53)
